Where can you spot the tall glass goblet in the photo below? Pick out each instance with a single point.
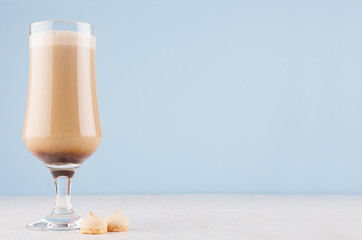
(62, 126)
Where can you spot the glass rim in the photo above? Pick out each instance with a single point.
(92, 26)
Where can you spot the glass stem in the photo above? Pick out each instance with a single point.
(62, 200)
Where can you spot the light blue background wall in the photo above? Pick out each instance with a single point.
(202, 96)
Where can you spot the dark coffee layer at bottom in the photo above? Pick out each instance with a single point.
(62, 158)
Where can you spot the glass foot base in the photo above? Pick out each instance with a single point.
(57, 222)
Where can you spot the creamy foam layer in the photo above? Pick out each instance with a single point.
(62, 38)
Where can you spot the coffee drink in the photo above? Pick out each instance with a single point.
(62, 126)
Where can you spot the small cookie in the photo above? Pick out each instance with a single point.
(117, 222)
(93, 225)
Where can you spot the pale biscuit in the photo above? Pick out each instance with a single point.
(116, 222)
(93, 225)
(117, 228)
(93, 231)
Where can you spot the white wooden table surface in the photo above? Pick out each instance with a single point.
(191, 217)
